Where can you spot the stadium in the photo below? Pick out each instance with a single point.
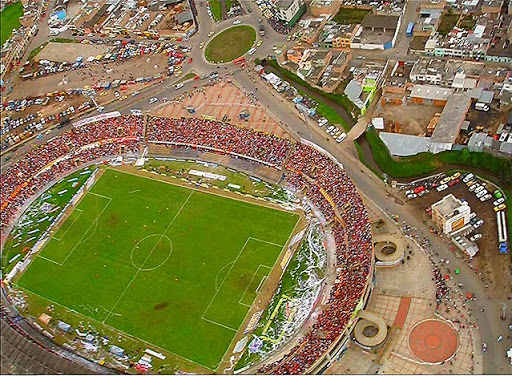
(170, 257)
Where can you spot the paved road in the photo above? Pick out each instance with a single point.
(490, 325)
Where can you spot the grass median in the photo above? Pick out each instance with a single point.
(230, 44)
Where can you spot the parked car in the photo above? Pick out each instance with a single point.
(153, 100)
(500, 207)
(341, 137)
(486, 197)
(499, 201)
(478, 223)
(474, 187)
(468, 177)
(475, 237)
(442, 187)
(453, 182)
(482, 193)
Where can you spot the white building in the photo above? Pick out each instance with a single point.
(450, 213)
(289, 11)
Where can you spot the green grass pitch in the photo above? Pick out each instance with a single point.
(175, 267)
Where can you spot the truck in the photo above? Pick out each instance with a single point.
(481, 107)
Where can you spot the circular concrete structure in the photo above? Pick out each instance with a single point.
(371, 330)
(389, 249)
(433, 341)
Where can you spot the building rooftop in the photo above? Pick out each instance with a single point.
(431, 92)
(380, 21)
(452, 117)
(448, 206)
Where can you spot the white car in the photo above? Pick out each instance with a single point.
(475, 237)
(478, 223)
(341, 137)
(479, 189)
(486, 197)
(468, 177)
(498, 202)
(322, 121)
(442, 187)
(412, 195)
(329, 129)
(237, 22)
(474, 187)
(178, 86)
(153, 100)
(482, 193)
(135, 93)
(472, 215)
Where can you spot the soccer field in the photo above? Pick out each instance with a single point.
(175, 267)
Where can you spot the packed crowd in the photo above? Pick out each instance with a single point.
(219, 137)
(352, 234)
(321, 179)
(61, 154)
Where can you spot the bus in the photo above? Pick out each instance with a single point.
(410, 28)
(502, 231)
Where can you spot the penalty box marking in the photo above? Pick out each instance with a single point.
(227, 274)
(263, 278)
(81, 240)
(71, 225)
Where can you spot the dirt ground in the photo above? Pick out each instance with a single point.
(70, 51)
(490, 120)
(412, 118)
(495, 266)
(222, 100)
(129, 69)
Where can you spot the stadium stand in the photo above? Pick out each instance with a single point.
(308, 170)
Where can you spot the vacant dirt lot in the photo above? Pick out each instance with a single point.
(70, 51)
(93, 73)
(222, 101)
(412, 118)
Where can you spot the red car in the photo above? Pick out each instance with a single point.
(190, 60)
(419, 189)
(453, 182)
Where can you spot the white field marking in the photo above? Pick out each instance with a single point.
(147, 257)
(72, 223)
(135, 191)
(140, 241)
(81, 240)
(49, 260)
(217, 276)
(211, 192)
(264, 241)
(261, 284)
(222, 283)
(116, 329)
(219, 324)
(230, 269)
(96, 194)
(273, 267)
(254, 275)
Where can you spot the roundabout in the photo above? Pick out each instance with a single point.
(230, 44)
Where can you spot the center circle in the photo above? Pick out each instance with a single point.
(230, 44)
(151, 252)
(433, 341)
